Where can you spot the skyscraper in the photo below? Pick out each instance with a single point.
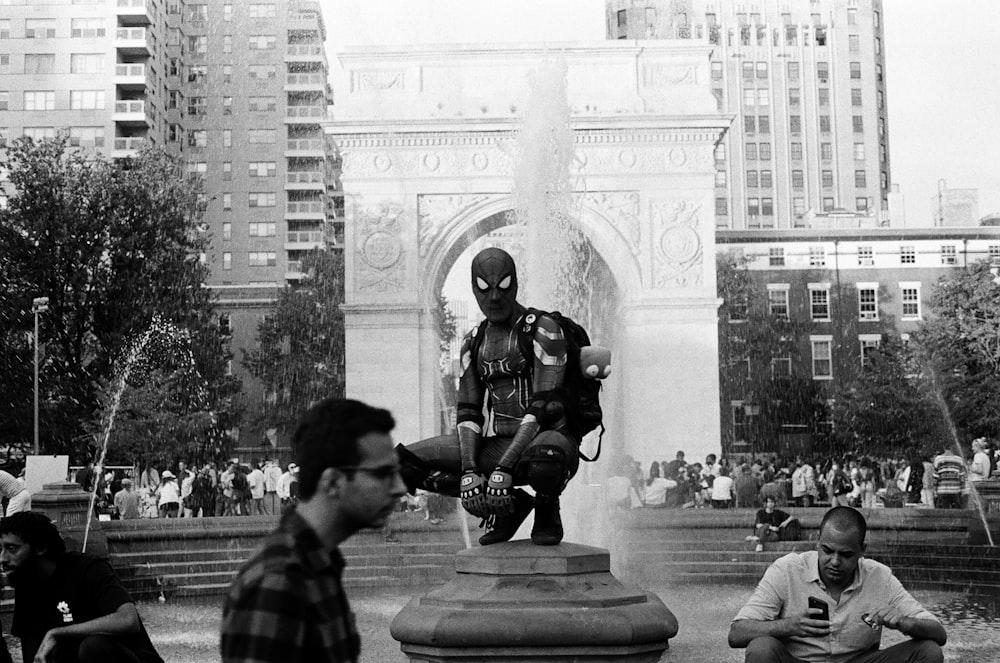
(806, 84)
(239, 89)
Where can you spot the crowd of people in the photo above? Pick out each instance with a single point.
(261, 488)
(939, 480)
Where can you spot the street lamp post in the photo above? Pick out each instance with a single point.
(38, 305)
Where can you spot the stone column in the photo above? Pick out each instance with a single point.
(517, 601)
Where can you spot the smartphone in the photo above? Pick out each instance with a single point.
(815, 603)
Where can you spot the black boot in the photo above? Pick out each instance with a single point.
(416, 475)
(503, 528)
(548, 529)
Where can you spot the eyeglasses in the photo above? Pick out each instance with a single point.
(381, 473)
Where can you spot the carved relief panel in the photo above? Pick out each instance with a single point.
(380, 250)
(678, 251)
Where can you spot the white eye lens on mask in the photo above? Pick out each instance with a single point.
(505, 283)
(481, 284)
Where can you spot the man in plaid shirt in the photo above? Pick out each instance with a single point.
(287, 603)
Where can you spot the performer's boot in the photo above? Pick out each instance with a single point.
(548, 529)
(416, 475)
(503, 528)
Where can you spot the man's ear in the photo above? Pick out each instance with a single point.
(331, 482)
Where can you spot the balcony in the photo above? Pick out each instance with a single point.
(305, 114)
(133, 12)
(305, 210)
(304, 240)
(305, 147)
(312, 180)
(293, 270)
(308, 82)
(130, 112)
(305, 53)
(128, 147)
(130, 76)
(132, 41)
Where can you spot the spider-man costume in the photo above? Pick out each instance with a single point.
(526, 441)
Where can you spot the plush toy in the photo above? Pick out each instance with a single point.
(595, 361)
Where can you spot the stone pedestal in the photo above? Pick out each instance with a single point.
(67, 505)
(989, 497)
(517, 601)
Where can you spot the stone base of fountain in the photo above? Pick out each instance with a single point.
(517, 601)
(67, 505)
(989, 495)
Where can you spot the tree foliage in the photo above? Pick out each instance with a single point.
(750, 337)
(960, 348)
(300, 356)
(112, 244)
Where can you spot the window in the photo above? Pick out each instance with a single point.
(622, 18)
(817, 256)
(794, 96)
(869, 345)
(749, 97)
(86, 136)
(173, 99)
(763, 98)
(753, 207)
(855, 70)
(748, 71)
(858, 122)
(796, 151)
(4, 100)
(859, 151)
(197, 106)
(795, 126)
(737, 310)
(828, 204)
(761, 70)
(823, 96)
(227, 11)
(87, 28)
(822, 363)
(764, 124)
(826, 151)
(86, 63)
(197, 13)
(781, 367)
(766, 181)
(227, 137)
(720, 178)
(227, 260)
(749, 124)
(861, 204)
(39, 28)
(227, 43)
(262, 71)
(798, 206)
(910, 297)
(716, 71)
(752, 181)
(798, 180)
(227, 201)
(261, 136)
(767, 206)
(39, 133)
(994, 252)
(856, 96)
(720, 152)
(721, 207)
(777, 300)
(860, 179)
(39, 63)
(197, 167)
(262, 199)
(948, 255)
(198, 44)
(824, 124)
(262, 168)
(262, 259)
(198, 138)
(854, 43)
(751, 153)
(793, 71)
(227, 231)
(4, 63)
(4, 28)
(866, 256)
(764, 150)
(263, 104)
(266, 229)
(174, 67)
(852, 16)
(227, 170)
(826, 179)
(776, 257)
(197, 74)
(227, 73)
(38, 100)
(174, 133)
(907, 255)
(227, 105)
(867, 301)
(262, 42)
(823, 71)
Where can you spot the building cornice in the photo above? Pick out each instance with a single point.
(724, 237)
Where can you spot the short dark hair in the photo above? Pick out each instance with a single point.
(35, 529)
(327, 436)
(845, 519)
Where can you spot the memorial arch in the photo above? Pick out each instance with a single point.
(425, 137)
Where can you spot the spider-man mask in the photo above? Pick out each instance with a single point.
(494, 282)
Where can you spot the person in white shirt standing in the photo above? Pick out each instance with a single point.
(255, 479)
(272, 474)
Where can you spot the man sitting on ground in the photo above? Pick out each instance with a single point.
(778, 625)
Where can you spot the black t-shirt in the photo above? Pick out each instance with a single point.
(82, 588)
(775, 518)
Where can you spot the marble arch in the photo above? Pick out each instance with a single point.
(425, 135)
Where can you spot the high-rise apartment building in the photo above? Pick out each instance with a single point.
(239, 88)
(805, 80)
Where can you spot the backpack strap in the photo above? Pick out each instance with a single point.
(597, 454)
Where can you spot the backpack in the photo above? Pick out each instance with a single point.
(240, 485)
(581, 393)
(841, 484)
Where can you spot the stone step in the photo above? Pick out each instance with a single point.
(896, 557)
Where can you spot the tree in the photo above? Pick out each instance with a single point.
(960, 348)
(750, 340)
(300, 357)
(112, 244)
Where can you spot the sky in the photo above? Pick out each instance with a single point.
(942, 72)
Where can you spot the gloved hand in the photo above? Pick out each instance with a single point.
(500, 492)
(472, 490)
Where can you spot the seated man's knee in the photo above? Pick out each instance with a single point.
(99, 649)
(764, 649)
(928, 651)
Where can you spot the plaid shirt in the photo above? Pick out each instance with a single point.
(287, 603)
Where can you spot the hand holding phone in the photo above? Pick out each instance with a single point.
(822, 606)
